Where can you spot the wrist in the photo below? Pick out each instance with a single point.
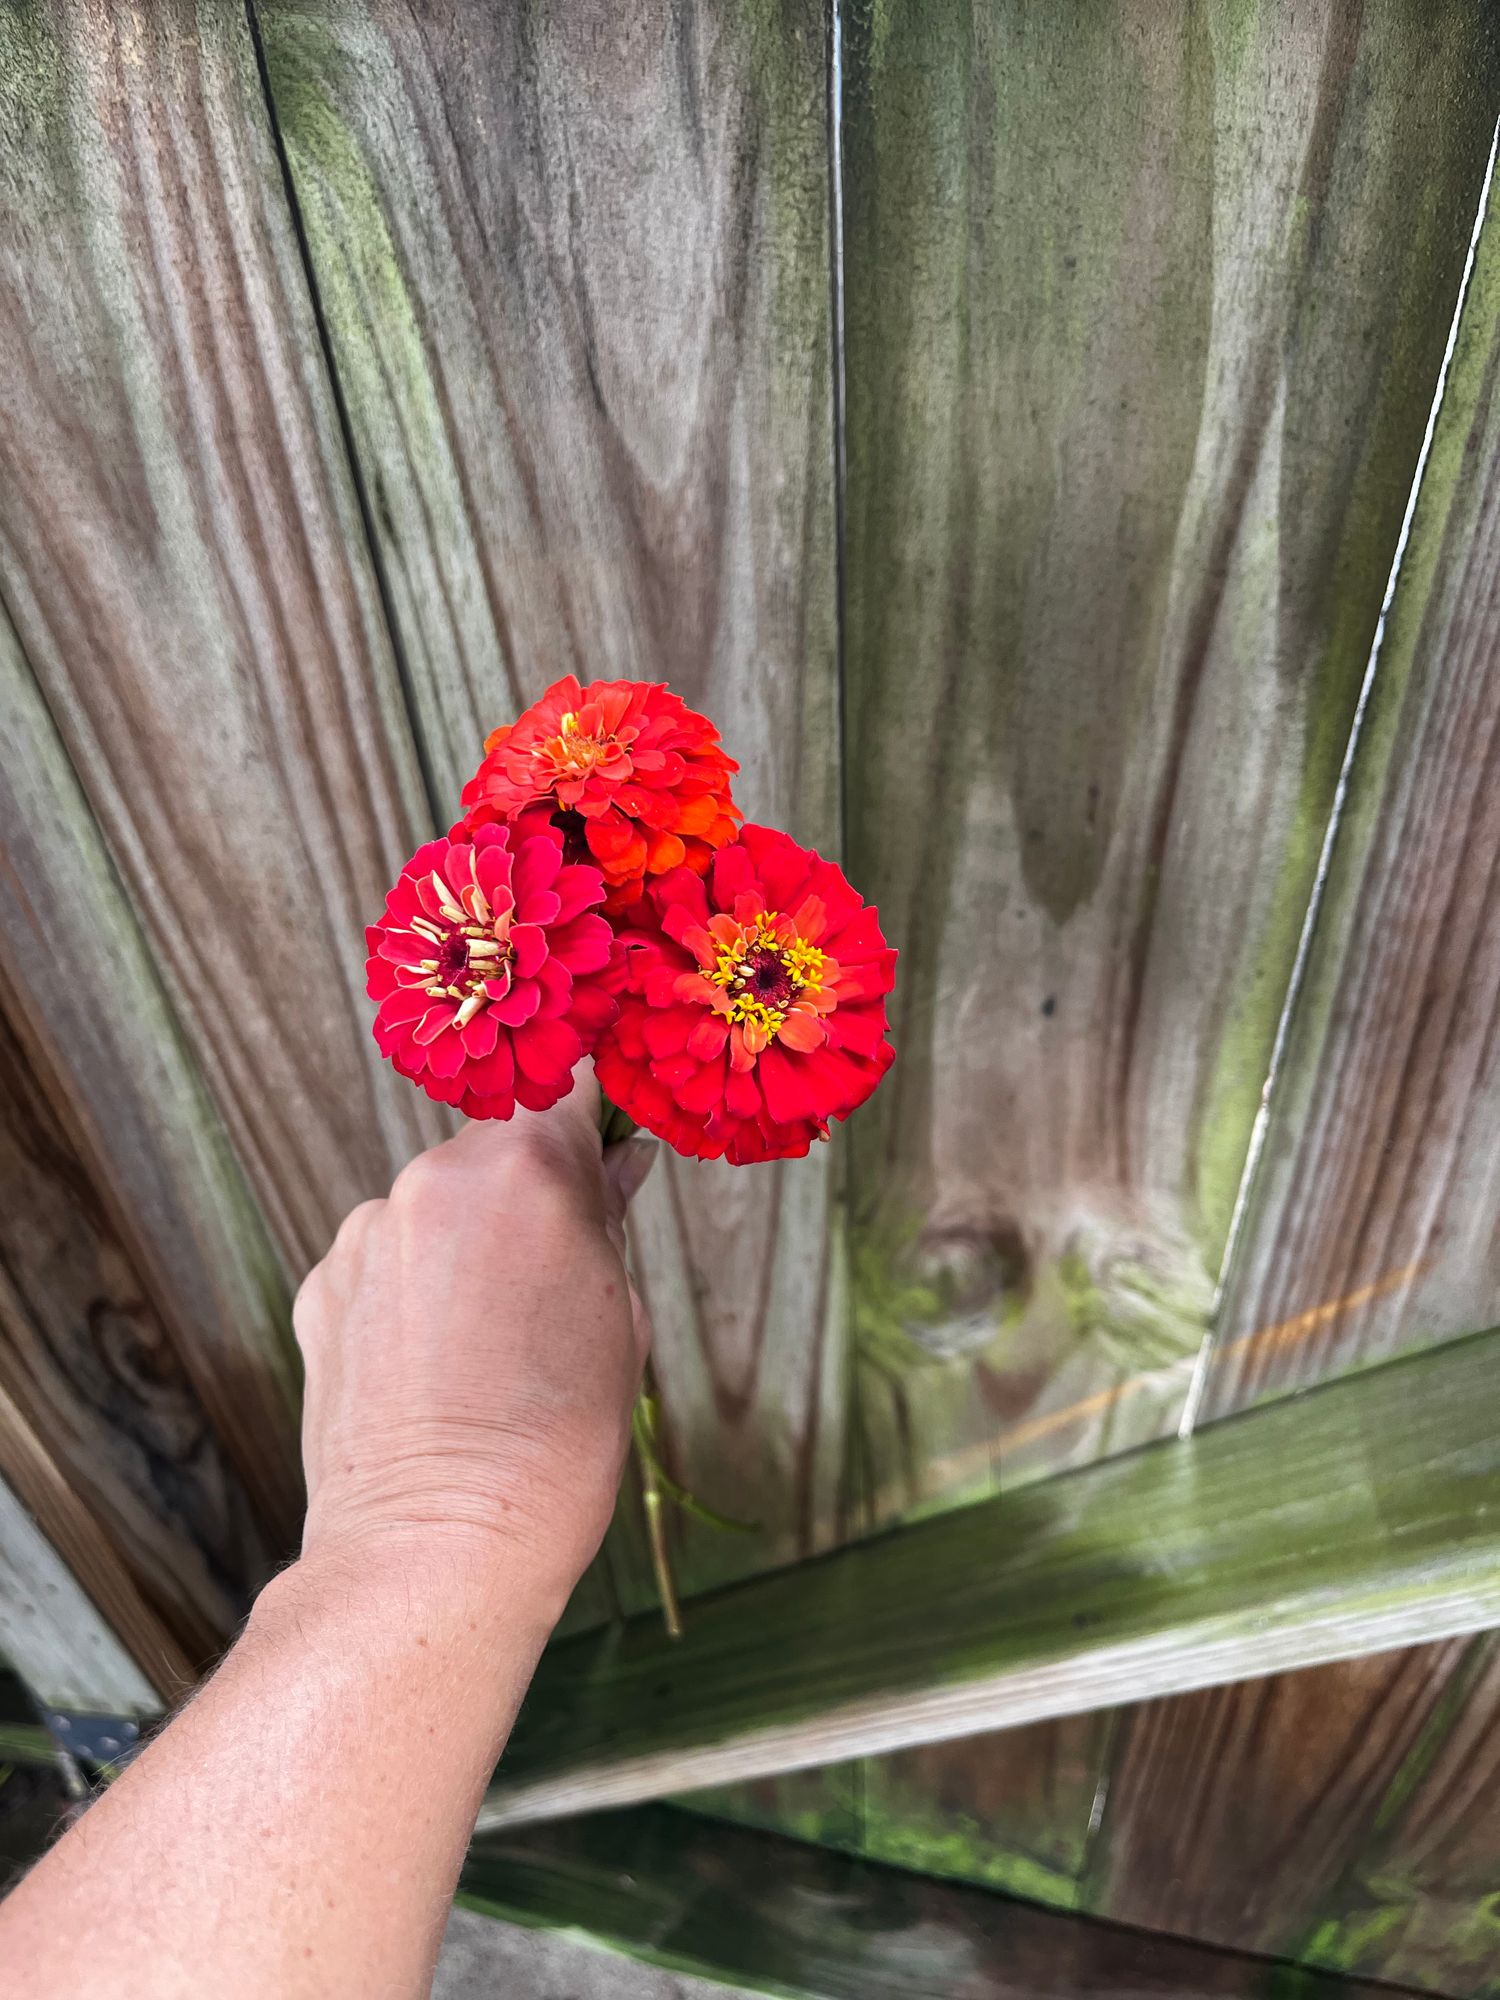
(430, 1598)
(438, 1550)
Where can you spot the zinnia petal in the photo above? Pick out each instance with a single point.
(461, 988)
(739, 1032)
(647, 775)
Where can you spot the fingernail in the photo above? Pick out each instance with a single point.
(628, 1165)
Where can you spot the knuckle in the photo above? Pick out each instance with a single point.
(354, 1225)
(362, 1215)
(420, 1180)
(307, 1305)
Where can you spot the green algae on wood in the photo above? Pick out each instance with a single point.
(784, 1918)
(574, 267)
(1356, 1519)
(1370, 1226)
(1418, 1904)
(183, 560)
(1144, 311)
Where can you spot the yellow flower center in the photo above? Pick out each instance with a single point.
(763, 970)
(570, 753)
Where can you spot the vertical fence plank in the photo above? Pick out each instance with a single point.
(1013, 1809)
(1371, 1228)
(124, 1089)
(1145, 310)
(1418, 1904)
(1338, 1817)
(53, 1635)
(574, 266)
(1232, 1814)
(102, 1433)
(182, 557)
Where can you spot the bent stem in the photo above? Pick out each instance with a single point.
(642, 1427)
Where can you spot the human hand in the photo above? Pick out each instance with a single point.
(473, 1348)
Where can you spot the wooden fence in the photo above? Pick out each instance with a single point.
(1060, 447)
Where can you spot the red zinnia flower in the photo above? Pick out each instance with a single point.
(634, 777)
(754, 1008)
(478, 966)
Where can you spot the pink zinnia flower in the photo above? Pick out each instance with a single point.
(481, 970)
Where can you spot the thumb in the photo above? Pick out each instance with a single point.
(625, 1169)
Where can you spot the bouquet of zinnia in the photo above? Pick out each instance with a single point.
(600, 895)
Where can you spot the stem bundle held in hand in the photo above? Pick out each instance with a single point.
(601, 896)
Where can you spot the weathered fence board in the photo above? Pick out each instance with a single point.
(53, 1635)
(101, 1432)
(183, 562)
(1145, 310)
(791, 1920)
(1015, 1811)
(1341, 1816)
(1372, 1226)
(1418, 1902)
(574, 267)
(1352, 1520)
(1232, 1814)
(362, 367)
(126, 1093)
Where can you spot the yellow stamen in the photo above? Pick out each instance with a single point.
(769, 936)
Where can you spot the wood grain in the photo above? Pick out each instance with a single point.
(825, 1806)
(1355, 1520)
(182, 556)
(1417, 1903)
(52, 1634)
(790, 1919)
(574, 266)
(128, 1101)
(1015, 1810)
(1341, 1816)
(101, 1430)
(84, 1553)
(1372, 1227)
(1145, 309)
(1232, 1814)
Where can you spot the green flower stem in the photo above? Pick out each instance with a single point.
(642, 1424)
(614, 1124)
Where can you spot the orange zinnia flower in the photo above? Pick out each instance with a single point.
(753, 1008)
(634, 778)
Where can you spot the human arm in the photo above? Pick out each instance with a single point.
(472, 1350)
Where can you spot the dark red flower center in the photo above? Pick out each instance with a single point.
(464, 957)
(764, 974)
(453, 959)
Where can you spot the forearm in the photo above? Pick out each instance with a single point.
(298, 1830)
